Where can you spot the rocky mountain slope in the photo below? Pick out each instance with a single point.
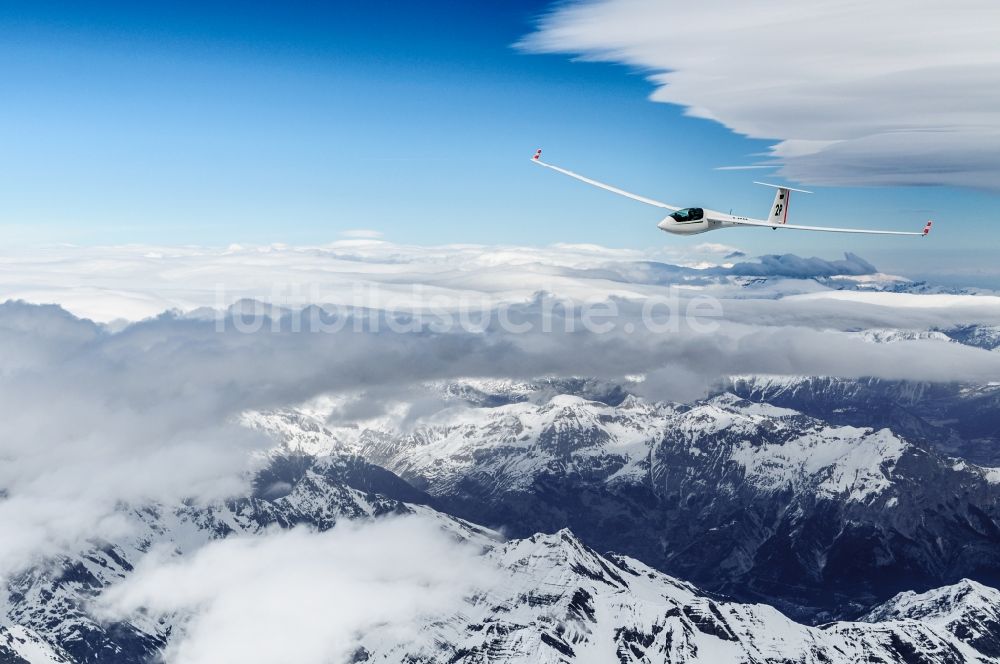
(968, 610)
(561, 602)
(958, 419)
(760, 502)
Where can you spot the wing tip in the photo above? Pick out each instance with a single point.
(927, 228)
(538, 155)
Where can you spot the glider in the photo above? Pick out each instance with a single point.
(691, 220)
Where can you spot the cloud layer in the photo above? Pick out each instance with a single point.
(888, 93)
(95, 416)
(134, 282)
(115, 284)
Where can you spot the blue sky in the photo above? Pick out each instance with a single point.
(219, 123)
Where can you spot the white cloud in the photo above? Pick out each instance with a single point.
(87, 423)
(302, 596)
(362, 234)
(715, 248)
(856, 93)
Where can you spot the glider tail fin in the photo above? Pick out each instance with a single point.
(779, 208)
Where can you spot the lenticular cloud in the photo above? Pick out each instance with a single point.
(887, 93)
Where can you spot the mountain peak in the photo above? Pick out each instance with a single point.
(968, 610)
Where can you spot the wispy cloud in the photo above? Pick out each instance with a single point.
(889, 93)
(751, 167)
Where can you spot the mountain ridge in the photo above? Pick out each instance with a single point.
(761, 496)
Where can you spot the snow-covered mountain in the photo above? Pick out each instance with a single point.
(561, 602)
(552, 599)
(986, 337)
(957, 419)
(19, 645)
(754, 500)
(968, 610)
(981, 336)
(884, 283)
(891, 335)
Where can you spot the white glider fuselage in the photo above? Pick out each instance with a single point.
(710, 220)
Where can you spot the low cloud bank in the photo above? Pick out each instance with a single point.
(302, 596)
(92, 419)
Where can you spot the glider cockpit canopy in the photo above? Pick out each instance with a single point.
(688, 214)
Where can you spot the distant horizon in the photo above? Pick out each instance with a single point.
(703, 254)
(135, 282)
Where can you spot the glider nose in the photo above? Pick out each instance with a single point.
(664, 225)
